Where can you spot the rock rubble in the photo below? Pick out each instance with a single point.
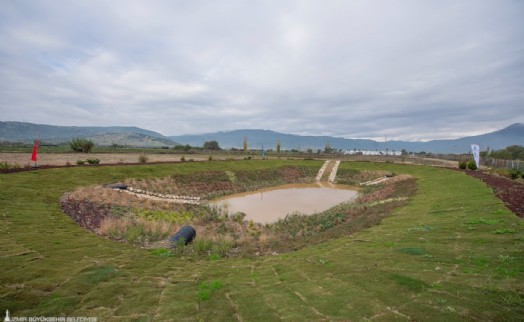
(160, 196)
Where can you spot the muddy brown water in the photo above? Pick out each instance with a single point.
(268, 205)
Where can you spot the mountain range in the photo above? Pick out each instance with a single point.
(105, 136)
(511, 135)
(137, 137)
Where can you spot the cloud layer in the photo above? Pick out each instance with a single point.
(412, 70)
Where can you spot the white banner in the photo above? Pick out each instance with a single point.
(475, 149)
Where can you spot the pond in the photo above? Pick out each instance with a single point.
(268, 205)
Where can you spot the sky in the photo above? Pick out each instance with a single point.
(411, 70)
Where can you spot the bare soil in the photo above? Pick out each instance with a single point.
(62, 159)
(509, 191)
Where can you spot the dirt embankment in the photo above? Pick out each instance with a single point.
(509, 191)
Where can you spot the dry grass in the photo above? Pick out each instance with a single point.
(136, 230)
(103, 195)
(364, 176)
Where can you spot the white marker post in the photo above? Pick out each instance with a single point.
(475, 149)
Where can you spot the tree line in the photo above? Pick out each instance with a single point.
(86, 146)
(512, 152)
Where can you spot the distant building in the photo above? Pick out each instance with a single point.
(371, 152)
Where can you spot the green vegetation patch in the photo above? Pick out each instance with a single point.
(505, 231)
(484, 221)
(413, 251)
(57, 305)
(206, 289)
(95, 275)
(409, 282)
(53, 267)
(164, 252)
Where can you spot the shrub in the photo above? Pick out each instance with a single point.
(80, 162)
(463, 165)
(472, 165)
(7, 166)
(143, 158)
(93, 161)
(211, 145)
(515, 174)
(503, 173)
(183, 159)
(81, 145)
(210, 158)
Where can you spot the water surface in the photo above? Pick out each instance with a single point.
(268, 205)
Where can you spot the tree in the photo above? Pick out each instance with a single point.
(515, 151)
(511, 152)
(404, 152)
(328, 148)
(211, 145)
(81, 145)
(278, 146)
(245, 143)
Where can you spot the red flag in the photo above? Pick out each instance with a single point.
(35, 147)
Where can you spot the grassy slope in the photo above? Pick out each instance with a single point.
(438, 258)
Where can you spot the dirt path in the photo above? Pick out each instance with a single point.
(328, 172)
(333, 173)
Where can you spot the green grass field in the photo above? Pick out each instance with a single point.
(454, 253)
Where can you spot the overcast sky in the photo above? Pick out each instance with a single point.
(411, 70)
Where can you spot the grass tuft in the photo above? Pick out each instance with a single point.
(409, 282)
(206, 289)
(413, 251)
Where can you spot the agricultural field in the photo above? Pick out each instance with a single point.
(448, 250)
(63, 159)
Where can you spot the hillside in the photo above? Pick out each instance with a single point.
(513, 134)
(137, 140)
(130, 136)
(137, 137)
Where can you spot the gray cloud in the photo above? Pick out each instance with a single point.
(413, 70)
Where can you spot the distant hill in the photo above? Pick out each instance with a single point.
(130, 136)
(137, 137)
(137, 140)
(512, 135)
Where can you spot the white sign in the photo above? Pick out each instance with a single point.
(475, 149)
